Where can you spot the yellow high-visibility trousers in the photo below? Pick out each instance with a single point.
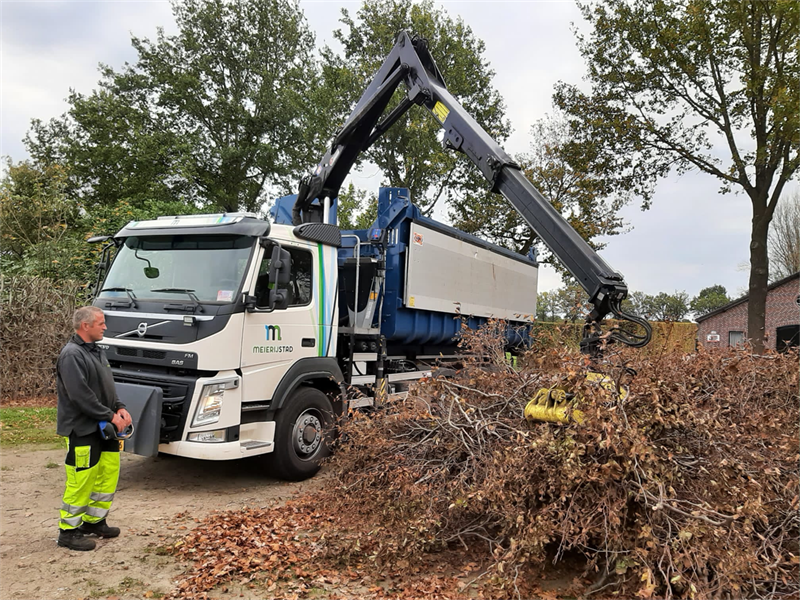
(92, 466)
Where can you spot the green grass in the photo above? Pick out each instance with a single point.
(20, 425)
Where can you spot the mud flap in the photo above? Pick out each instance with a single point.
(144, 404)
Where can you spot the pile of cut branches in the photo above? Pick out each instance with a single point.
(687, 488)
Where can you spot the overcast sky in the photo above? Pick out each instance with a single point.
(691, 238)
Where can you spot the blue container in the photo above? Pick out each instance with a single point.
(400, 324)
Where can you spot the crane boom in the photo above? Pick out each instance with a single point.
(411, 63)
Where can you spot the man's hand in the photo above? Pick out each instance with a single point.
(126, 416)
(118, 422)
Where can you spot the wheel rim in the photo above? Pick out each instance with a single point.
(307, 434)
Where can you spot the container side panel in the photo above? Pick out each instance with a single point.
(453, 276)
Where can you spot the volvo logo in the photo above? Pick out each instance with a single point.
(142, 329)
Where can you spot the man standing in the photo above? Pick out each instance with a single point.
(87, 396)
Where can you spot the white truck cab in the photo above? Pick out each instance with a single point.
(230, 318)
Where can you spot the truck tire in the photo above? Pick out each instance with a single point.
(302, 434)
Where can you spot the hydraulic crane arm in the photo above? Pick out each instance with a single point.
(411, 63)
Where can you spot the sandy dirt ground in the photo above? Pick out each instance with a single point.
(157, 501)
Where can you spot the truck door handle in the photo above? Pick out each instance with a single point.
(309, 342)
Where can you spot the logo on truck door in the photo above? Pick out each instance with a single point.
(273, 334)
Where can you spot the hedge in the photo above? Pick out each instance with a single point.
(36, 323)
(667, 336)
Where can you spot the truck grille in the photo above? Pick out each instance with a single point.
(144, 353)
(177, 395)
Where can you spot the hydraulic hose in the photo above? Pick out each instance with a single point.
(630, 338)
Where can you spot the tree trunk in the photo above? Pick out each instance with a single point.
(759, 273)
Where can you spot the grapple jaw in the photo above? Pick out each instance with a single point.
(555, 405)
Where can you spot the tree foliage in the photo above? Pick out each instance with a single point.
(709, 299)
(546, 306)
(38, 221)
(567, 303)
(571, 303)
(45, 230)
(408, 154)
(784, 239)
(710, 85)
(211, 116)
(33, 207)
(658, 307)
(356, 208)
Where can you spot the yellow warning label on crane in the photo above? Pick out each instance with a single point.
(440, 111)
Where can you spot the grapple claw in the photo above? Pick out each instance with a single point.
(554, 405)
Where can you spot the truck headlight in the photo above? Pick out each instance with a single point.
(209, 407)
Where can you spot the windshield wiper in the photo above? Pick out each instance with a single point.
(128, 291)
(189, 293)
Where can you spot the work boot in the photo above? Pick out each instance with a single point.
(74, 540)
(100, 529)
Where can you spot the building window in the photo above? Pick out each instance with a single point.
(735, 338)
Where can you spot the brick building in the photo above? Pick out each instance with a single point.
(727, 326)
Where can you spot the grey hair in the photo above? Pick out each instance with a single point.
(85, 314)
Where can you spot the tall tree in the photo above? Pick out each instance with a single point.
(37, 219)
(547, 306)
(670, 307)
(638, 303)
(658, 307)
(211, 116)
(711, 85)
(784, 239)
(573, 302)
(408, 154)
(709, 299)
(569, 302)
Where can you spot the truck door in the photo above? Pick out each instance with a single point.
(274, 339)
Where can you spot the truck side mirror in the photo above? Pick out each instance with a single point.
(98, 238)
(280, 266)
(105, 258)
(280, 272)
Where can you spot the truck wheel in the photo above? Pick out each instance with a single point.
(302, 432)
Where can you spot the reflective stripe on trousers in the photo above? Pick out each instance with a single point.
(89, 491)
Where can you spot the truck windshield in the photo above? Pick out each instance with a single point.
(211, 267)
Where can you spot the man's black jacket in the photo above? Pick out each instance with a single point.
(86, 392)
